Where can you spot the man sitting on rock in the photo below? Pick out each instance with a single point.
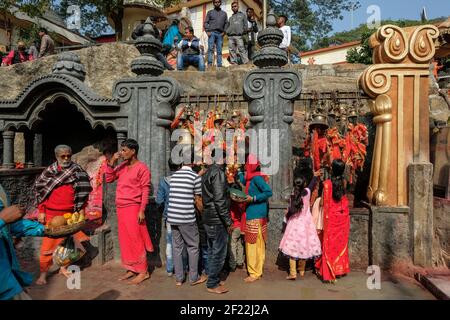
(191, 51)
(17, 56)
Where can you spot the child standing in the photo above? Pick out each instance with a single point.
(300, 240)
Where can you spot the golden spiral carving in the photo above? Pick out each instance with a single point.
(375, 80)
(393, 44)
(422, 48)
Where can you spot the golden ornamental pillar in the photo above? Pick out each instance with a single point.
(398, 84)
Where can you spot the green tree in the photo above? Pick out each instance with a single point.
(363, 54)
(94, 13)
(311, 20)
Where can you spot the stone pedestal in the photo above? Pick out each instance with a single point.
(103, 240)
(389, 237)
(420, 176)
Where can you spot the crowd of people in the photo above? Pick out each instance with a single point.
(209, 233)
(180, 51)
(46, 47)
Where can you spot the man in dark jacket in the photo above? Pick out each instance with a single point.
(215, 23)
(237, 27)
(252, 33)
(217, 220)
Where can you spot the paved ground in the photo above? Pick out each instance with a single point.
(101, 283)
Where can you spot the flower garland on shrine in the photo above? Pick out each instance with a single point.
(215, 122)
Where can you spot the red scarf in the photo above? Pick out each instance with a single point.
(250, 171)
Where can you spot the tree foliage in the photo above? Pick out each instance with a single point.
(311, 20)
(94, 13)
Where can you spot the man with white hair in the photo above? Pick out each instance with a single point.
(61, 188)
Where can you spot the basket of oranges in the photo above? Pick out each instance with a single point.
(65, 225)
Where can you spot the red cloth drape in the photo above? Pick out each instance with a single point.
(336, 228)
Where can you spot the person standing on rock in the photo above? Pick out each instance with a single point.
(215, 24)
(132, 194)
(252, 33)
(237, 27)
(282, 19)
(47, 44)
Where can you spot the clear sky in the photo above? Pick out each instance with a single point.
(393, 9)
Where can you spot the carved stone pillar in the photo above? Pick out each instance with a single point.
(8, 149)
(149, 101)
(29, 146)
(121, 137)
(37, 150)
(398, 81)
(271, 92)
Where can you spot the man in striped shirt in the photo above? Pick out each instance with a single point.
(185, 186)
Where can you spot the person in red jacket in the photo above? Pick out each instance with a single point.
(17, 56)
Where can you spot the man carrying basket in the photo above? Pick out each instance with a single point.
(62, 188)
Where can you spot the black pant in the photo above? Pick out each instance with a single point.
(217, 252)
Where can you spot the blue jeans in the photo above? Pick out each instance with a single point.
(215, 40)
(169, 252)
(203, 261)
(185, 60)
(217, 252)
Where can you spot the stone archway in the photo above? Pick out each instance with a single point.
(62, 122)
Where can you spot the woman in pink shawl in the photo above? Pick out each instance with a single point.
(133, 187)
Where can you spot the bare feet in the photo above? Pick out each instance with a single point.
(250, 279)
(140, 277)
(179, 283)
(202, 279)
(218, 290)
(290, 277)
(127, 275)
(42, 279)
(63, 271)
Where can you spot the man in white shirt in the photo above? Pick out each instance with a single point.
(286, 32)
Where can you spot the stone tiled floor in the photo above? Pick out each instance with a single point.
(101, 283)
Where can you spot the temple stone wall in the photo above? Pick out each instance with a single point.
(101, 76)
(441, 241)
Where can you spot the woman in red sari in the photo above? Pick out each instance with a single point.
(336, 226)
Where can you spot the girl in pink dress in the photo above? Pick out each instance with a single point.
(300, 241)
